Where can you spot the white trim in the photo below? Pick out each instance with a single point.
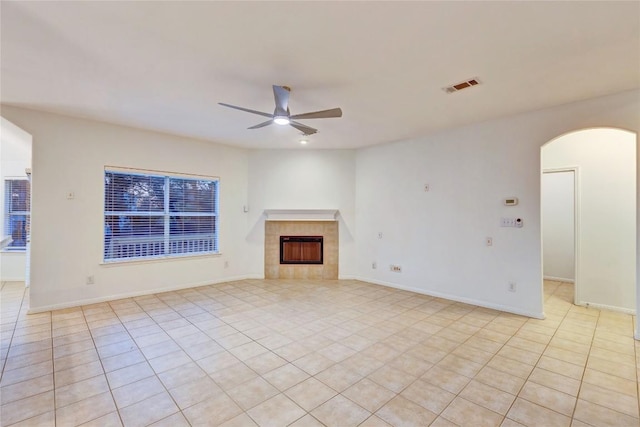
(301, 214)
(559, 279)
(607, 307)
(139, 293)
(12, 279)
(576, 223)
(457, 298)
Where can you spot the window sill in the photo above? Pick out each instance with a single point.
(121, 262)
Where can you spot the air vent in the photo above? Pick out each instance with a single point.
(462, 85)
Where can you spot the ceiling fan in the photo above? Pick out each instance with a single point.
(282, 116)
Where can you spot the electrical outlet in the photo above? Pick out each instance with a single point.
(374, 265)
(489, 241)
(90, 280)
(426, 187)
(512, 286)
(380, 235)
(395, 268)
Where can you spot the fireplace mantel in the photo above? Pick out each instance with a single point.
(301, 214)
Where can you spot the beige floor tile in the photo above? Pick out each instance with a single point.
(340, 411)
(402, 412)
(195, 392)
(137, 391)
(598, 416)
(129, 374)
(175, 420)
(265, 362)
(286, 376)
(277, 411)
(29, 407)
(233, 376)
(48, 419)
(242, 420)
(181, 375)
(555, 381)
(313, 363)
(252, 393)
(510, 366)
(72, 393)
(428, 396)
(460, 365)
(464, 412)
(212, 411)
(26, 373)
(122, 360)
(528, 413)
(25, 389)
(445, 379)
(393, 335)
(488, 397)
(112, 419)
(610, 399)
(611, 367)
(217, 362)
(368, 394)
(561, 367)
(391, 378)
(610, 382)
(149, 410)
(85, 410)
(78, 373)
(548, 398)
(310, 394)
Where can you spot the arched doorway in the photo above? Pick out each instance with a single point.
(592, 171)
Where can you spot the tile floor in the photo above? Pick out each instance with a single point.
(348, 353)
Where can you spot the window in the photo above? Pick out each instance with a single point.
(154, 215)
(17, 212)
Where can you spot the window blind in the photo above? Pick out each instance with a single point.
(17, 212)
(159, 215)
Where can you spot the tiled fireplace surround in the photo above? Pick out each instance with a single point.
(276, 228)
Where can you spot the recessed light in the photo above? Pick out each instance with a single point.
(303, 141)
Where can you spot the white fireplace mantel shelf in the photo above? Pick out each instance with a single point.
(301, 214)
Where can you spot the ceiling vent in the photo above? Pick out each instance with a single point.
(461, 85)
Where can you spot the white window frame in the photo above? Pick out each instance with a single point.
(8, 213)
(167, 242)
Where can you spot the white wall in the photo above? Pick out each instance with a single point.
(303, 179)
(606, 161)
(15, 157)
(438, 237)
(67, 235)
(558, 225)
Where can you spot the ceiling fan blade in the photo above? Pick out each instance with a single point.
(307, 130)
(261, 125)
(324, 114)
(281, 96)
(260, 113)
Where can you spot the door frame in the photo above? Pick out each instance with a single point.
(576, 227)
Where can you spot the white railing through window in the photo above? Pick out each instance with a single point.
(150, 246)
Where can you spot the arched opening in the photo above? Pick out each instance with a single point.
(588, 213)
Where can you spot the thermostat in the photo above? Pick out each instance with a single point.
(511, 201)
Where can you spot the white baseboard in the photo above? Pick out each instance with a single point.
(607, 307)
(559, 279)
(98, 300)
(457, 298)
(12, 279)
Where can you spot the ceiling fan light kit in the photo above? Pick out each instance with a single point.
(282, 116)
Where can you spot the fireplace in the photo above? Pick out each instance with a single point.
(328, 269)
(301, 250)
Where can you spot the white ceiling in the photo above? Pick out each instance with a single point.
(165, 65)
